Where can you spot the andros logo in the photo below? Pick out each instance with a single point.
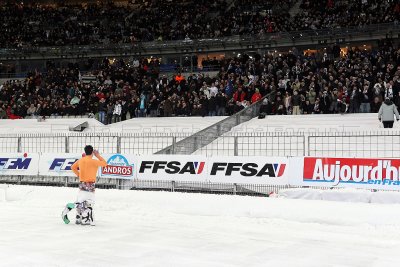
(118, 165)
(15, 163)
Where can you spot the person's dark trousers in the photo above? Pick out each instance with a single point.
(388, 124)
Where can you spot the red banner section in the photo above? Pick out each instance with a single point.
(352, 171)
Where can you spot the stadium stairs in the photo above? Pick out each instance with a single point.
(204, 137)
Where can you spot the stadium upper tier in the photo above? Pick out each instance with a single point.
(159, 20)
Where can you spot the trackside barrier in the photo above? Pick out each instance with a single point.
(224, 174)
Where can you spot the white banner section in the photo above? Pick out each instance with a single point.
(172, 168)
(249, 170)
(119, 166)
(19, 163)
(59, 164)
(254, 170)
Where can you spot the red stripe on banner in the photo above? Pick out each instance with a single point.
(201, 167)
(281, 170)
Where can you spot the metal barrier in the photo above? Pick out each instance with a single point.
(381, 143)
(144, 143)
(355, 144)
(206, 136)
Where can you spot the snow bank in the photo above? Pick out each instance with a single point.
(138, 228)
(343, 195)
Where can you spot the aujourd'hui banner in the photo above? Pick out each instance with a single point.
(352, 172)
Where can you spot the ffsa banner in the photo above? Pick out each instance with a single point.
(57, 164)
(255, 170)
(119, 166)
(249, 170)
(376, 173)
(19, 163)
(172, 168)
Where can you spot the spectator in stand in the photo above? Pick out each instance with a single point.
(365, 102)
(296, 101)
(142, 106)
(102, 107)
(117, 111)
(31, 110)
(256, 96)
(212, 105)
(265, 109)
(221, 103)
(387, 112)
(110, 112)
(153, 106)
(168, 107)
(3, 114)
(376, 105)
(239, 95)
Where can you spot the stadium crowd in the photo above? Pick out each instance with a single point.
(295, 84)
(159, 20)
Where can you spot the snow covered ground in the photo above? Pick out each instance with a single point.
(137, 228)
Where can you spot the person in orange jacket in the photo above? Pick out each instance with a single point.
(86, 170)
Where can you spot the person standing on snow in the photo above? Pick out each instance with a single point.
(387, 112)
(86, 170)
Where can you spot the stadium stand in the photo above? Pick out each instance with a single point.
(325, 83)
(329, 80)
(158, 20)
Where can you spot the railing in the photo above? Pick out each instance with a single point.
(198, 45)
(380, 143)
(204, 137)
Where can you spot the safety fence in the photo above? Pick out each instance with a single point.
(191, 173)
(380, 143)
(377, 144)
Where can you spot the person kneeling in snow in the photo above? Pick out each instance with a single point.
(86, 169)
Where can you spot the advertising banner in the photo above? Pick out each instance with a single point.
(172, 168)
(119, 166)
(249, 170)
(57, 164)
(255, 170)
(19, 163)
(373, 173)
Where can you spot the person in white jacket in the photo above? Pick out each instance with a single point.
(387, 112)
(117, 111)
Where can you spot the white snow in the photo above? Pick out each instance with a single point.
(135, 125)
(46, 126)
(167, 125)
(316, 123)
(137, 228)
(343, 194)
